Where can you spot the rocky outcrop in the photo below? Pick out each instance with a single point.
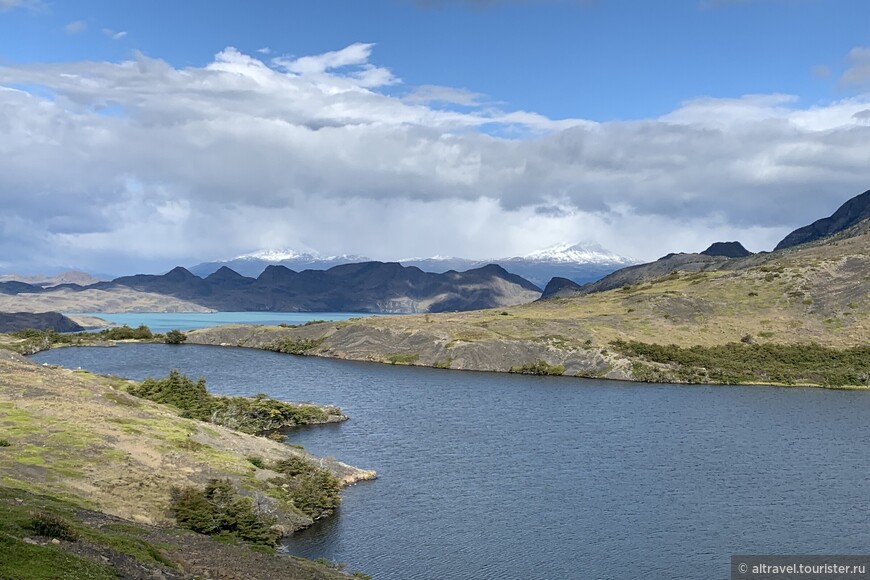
(561, 288)
(14, 321)
(727, 250)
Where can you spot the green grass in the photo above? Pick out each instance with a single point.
(27, 515)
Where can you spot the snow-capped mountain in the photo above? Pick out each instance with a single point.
(253, 264)
(584, 253)
(581, 263)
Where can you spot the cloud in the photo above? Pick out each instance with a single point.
(439, 94)
(75, 27)
(28, 4)
(140, 162)
(113, 34)
(821, 71)
(264, 50)
(858, 73)
(355, 54)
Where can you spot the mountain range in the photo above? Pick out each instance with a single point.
(581, 263)
(798, 315)
(850, 219)
(359, 287)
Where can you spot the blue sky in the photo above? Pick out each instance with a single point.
(517, 124)
(600, 60)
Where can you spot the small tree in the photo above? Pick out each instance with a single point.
(174, 337)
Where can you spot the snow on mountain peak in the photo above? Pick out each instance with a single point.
(278, 255)
(578, 253)
(283, 254)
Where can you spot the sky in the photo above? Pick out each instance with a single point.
(136, 136)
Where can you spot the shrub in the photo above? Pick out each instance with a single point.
(174, 337)
(177, 390)
(124, 332)
(52, 526)
(250, 415)
(219, 510)
(294, 466)
(5, 443)
(312, 490)
(256, 461)
(289, 345)
(747, 363)
(538, 367)
(402, 359)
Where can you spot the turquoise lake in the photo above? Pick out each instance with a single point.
(165, 321)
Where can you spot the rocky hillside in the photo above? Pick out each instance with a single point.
(816, 293)
(13, 321)
(123, 462)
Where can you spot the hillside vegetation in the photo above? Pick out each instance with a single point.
(814, 294)
(135, 464)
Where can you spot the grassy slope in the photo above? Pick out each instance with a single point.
(818, 293)
(81, 439)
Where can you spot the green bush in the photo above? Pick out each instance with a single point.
(250, 415)
(177, 390)
(52, 526)
(219, 510)
(312, 490)
(174, 337)
(124, 332)
(758, 363)
(538, 367)
(5, 443)
(402, 359)
(289, 345)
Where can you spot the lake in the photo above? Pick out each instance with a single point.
(166, 321)
(487, 475)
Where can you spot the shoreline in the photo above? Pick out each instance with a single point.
(616, 367)
(124, 461)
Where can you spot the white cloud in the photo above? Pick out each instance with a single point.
(264, 50)
(139, 162)
(75, 27)
(439, 94)
(29, 4)
(355, 54)
(113, 34)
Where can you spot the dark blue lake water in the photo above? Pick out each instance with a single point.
(502, 476)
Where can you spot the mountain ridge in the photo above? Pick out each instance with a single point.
(580, 262)
(852, 212)
(385, 287)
